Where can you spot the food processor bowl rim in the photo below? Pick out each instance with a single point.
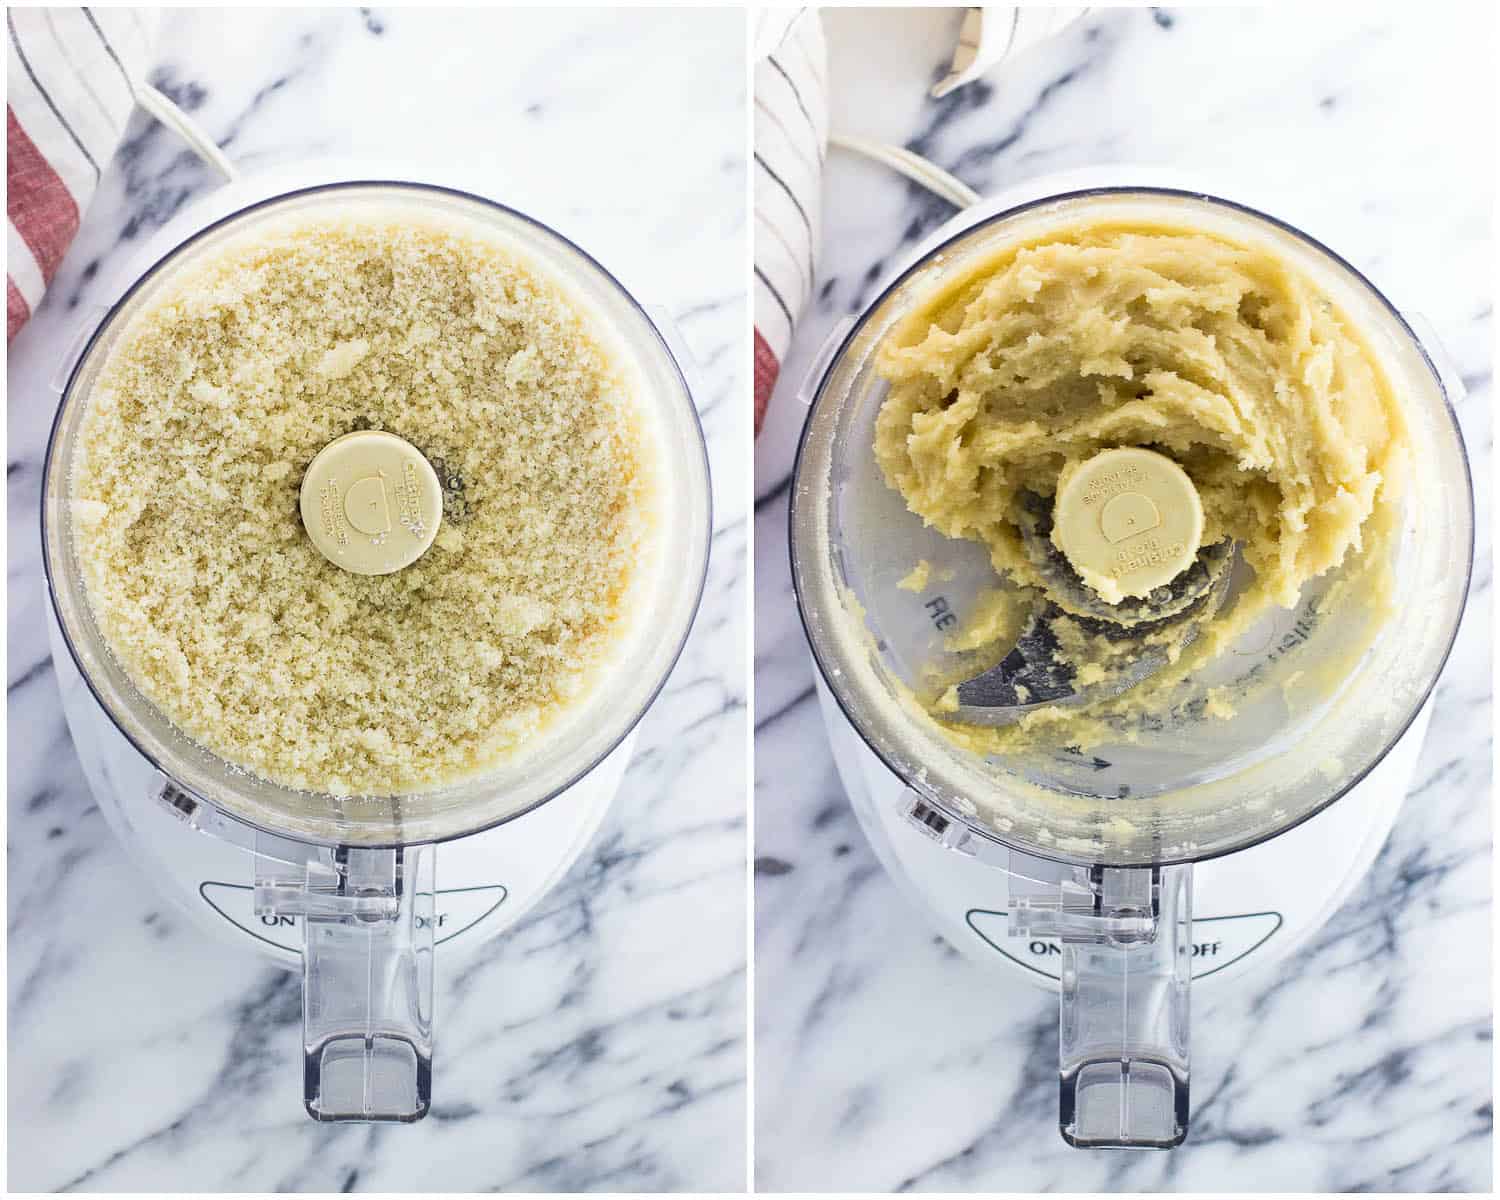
(416, 187)
(1123, 190)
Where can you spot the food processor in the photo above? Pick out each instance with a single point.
(1195, 848)
(346, 888)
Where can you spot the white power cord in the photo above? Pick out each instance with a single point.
(913, 166)
(898, 158)
(155, 103)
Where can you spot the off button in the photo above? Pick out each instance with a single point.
(371, 502)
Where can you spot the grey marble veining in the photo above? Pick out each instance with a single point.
(599, 1045)
(885, 1060)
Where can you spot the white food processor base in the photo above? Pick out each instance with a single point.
(1250, 909)
(485, 882)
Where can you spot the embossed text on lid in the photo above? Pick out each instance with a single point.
(1129, 520)
(371, 503)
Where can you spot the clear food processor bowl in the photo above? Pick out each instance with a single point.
(1106, 835)
(359, 868)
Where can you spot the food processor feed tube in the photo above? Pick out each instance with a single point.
(1092, 799)
(355, 866)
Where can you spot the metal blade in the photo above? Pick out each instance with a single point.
(1034, 674)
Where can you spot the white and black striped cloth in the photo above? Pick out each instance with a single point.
(791, 141)
(70, 88)
(994, 32)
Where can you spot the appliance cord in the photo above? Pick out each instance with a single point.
(160, 107)
(913, 166)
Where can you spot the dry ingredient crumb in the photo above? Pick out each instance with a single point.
(1220, 703)
(210, 593)
(916, 579)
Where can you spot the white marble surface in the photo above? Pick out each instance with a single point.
(884, 1059)
(601, 1045)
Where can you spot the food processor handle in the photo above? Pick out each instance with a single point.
(367, 921)
(1123, 1032)
(1126, 941)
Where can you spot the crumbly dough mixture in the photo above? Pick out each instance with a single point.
(1216, 354)
(206, 586)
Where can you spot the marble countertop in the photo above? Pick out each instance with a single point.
(145, 1057)
(886, 1060)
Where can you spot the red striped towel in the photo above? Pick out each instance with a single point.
(70, 88)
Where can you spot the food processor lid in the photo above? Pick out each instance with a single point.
(1213, 817)
(618, 697)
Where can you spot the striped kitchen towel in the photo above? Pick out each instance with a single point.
(69, 92)
(995, 32)
(791, 141)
